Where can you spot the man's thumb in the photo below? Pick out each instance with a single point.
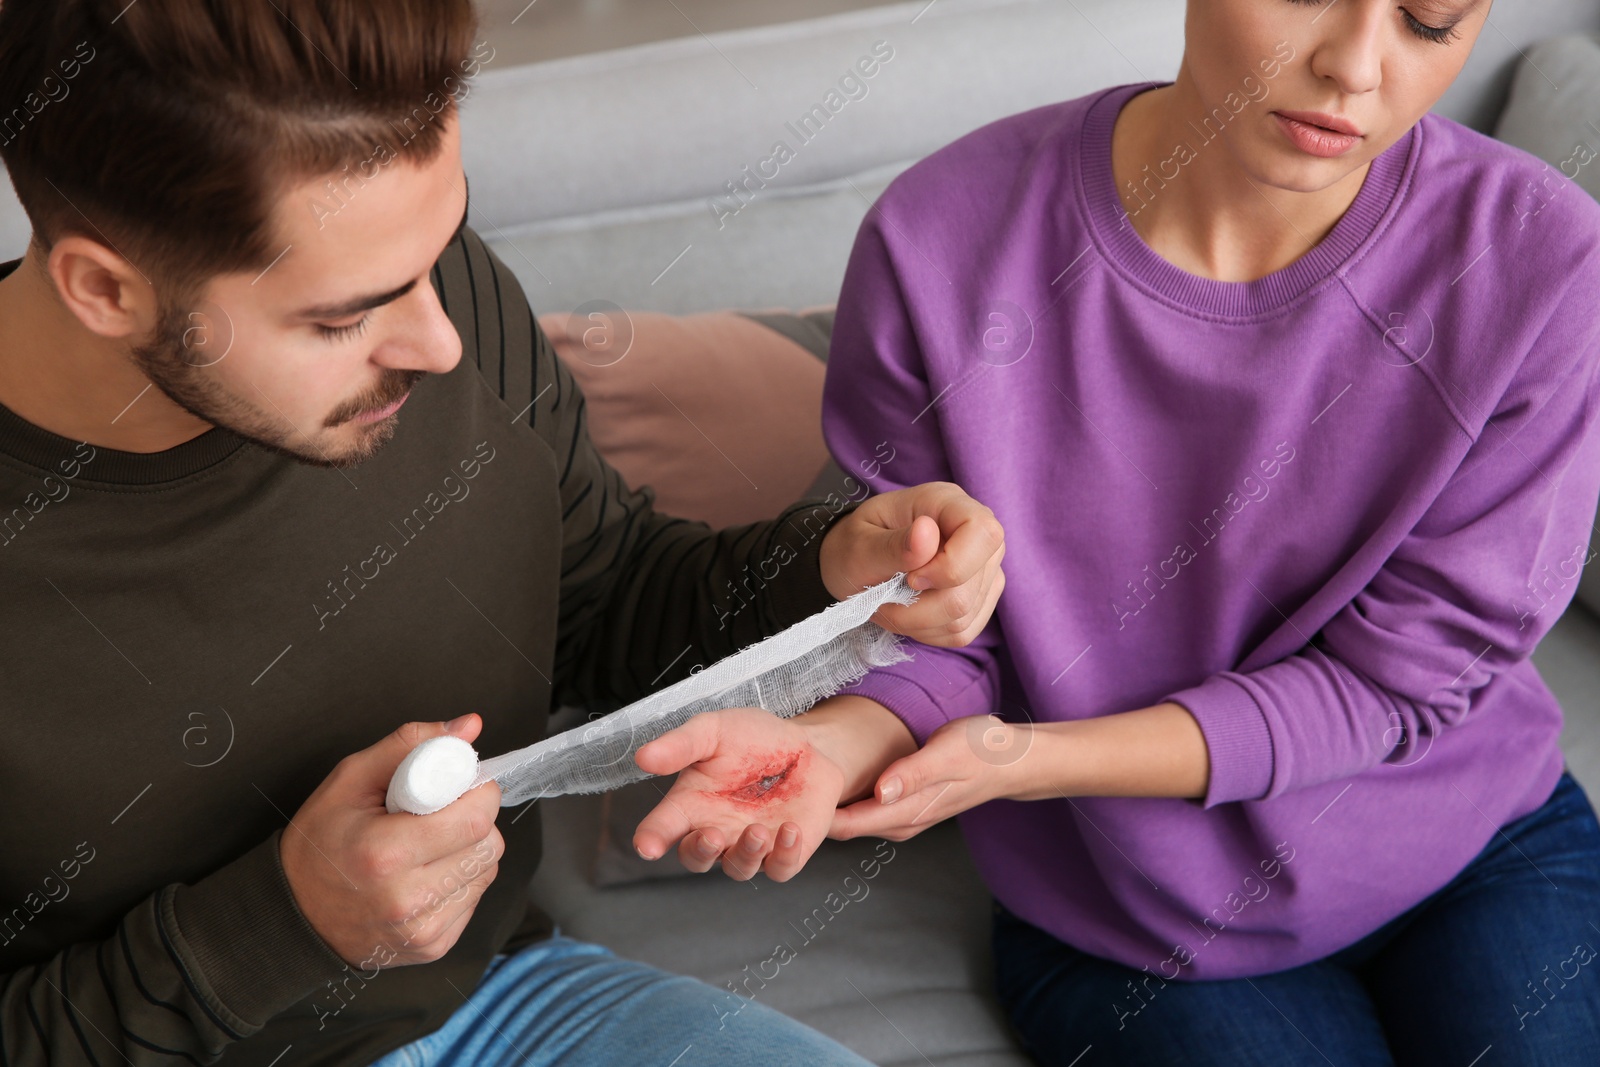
(466, 727)
(915, 545)
(388, 753)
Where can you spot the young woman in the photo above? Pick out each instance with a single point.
(1285, 392)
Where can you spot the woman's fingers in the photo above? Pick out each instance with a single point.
(911, 795)
(869, 818)
(913, 774)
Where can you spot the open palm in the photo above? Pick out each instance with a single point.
(751, 792)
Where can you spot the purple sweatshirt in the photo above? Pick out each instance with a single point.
(1330, 512)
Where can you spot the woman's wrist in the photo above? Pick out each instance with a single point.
(1157, 751)
(861, 737)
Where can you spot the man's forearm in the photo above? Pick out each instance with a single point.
(861, 736)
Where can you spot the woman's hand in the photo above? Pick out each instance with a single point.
(1158, 751)
(966, 762)
(753, 791)
(949, 546)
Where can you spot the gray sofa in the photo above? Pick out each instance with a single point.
(902, 975)
(599, 177)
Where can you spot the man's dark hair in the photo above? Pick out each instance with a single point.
(166, 129)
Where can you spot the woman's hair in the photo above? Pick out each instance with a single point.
(167, 129)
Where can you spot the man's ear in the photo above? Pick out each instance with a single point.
(101, 289)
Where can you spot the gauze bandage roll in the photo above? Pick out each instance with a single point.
(432, 776)
(785, 674)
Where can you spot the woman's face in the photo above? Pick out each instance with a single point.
(1294, 67)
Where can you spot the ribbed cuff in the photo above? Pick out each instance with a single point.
(797, 592)
(1236, 736)
(911, 703)
(247, 948)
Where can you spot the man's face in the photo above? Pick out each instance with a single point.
(1372, 63)
(303, 357)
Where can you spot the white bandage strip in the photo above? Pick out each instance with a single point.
(786, 674)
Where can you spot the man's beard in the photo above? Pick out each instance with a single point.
(178, 361)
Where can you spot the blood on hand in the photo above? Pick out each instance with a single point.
(768, 777)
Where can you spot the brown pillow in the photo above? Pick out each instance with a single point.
(721, 414)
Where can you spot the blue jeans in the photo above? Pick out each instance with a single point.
(575, 1004)
(1504, 957)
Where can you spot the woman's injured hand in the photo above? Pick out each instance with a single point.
(753, 793)
(948, 545)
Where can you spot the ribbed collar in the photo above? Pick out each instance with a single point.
(38, 447)
(1124, 246)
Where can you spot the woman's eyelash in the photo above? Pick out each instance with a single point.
(344, 333)
(1436, 34)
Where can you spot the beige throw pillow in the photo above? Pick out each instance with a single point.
(717, 412)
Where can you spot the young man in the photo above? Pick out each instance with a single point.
(288, 472)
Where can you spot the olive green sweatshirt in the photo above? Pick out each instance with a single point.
(193, 639)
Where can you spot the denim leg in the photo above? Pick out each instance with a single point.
(1069, 1007)
(1507, 956)
(576, 1004)
(1500, 966)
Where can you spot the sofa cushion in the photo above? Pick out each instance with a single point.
(1551, 109)
(889, 942)
(1552, 114)
(720, 414)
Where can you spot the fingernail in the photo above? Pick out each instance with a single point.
(644, 854)
(458, 721)
(704, 850)
(788, 837)
(891, 791)
(919, 582)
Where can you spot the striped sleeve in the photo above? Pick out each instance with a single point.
(185, 974)
(645, 597)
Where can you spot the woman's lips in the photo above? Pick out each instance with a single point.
(1315, 139)
(1323, 119)
(379, 416)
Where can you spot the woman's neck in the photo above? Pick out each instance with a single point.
(1214, 220)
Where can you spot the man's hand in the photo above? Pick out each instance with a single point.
(966, 762)
(752, 791)
(949, 545)
(391, 890)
